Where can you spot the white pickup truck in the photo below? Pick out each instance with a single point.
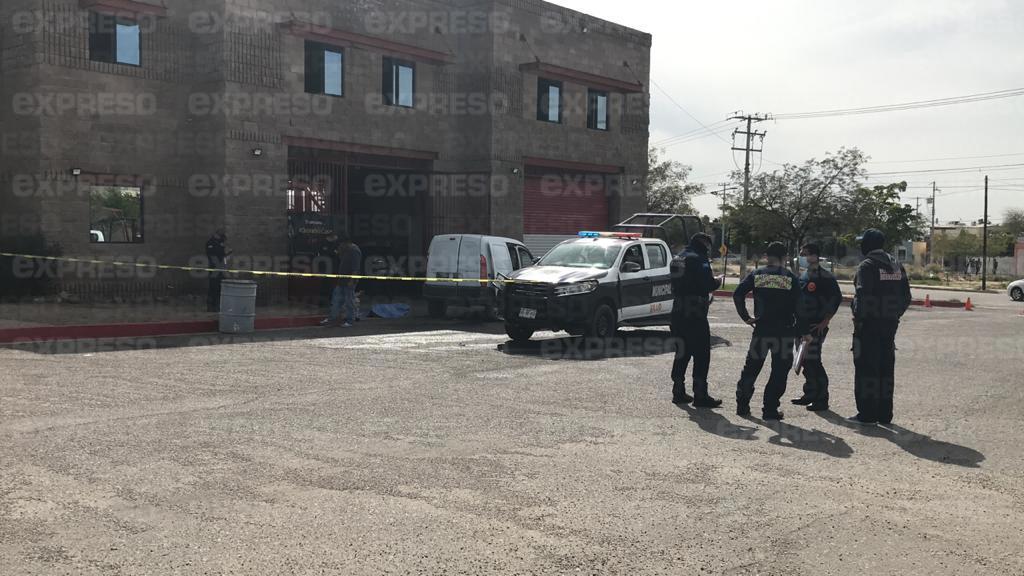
(591, 285)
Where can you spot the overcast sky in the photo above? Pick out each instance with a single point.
(788, 56)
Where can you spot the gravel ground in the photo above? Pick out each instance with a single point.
(440, 449)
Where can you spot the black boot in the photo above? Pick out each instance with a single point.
(707, 402)
(803, 401)
(681, 398)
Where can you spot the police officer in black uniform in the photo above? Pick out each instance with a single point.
(883, 296)
(216, 259)
(820, 299)
(692, 284)
(776, 326)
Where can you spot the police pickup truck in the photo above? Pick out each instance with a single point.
(591, 285)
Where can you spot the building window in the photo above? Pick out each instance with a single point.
(597, 110)
(115, 40)
(549, 101)
(115, 215)
(399, 83)
(325, 69)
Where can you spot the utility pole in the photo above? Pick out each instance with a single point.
(725, 254)
(931, 234)
(984, 244)
(749, 134)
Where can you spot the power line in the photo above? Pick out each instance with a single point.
(697, 137)
(945, 159)
(962, 169)
(691, 133)
(687, 112)
(904, 106)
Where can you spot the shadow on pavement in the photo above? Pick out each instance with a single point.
(918, 445)
(625, 344)
(714, 423)
(791, 436)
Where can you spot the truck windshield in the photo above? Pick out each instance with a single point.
(582, 255)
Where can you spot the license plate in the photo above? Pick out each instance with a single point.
(528, 313)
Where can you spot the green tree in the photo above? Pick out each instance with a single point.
(666, 186)
(798, 202)
(880, 207)
(957, 246)
(1013, 222)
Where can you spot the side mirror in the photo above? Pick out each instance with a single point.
(536, 260)
(631, 267)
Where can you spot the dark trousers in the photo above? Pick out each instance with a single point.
(780, 348)
(693, 341)
(816, 383)
(213, 292)
(874, 359)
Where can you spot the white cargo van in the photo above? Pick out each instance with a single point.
(472, 257)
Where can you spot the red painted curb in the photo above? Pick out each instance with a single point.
(148, 329)
(848, 299)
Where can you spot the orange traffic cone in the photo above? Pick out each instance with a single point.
(969, 306)
(928, 301)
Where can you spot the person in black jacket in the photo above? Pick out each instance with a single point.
(692, 284)
(820, 299)
(882, 297)
(216, 260)
(776, 325)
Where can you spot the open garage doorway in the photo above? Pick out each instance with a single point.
(381, 202)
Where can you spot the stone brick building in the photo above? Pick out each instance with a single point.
(131, 129)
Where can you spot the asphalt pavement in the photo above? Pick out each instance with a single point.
(436, 447)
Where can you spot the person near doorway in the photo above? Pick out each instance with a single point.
(216, 260)
(350, 260)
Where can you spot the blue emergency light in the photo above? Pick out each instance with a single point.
(619, 235)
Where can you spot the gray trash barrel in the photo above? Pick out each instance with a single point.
(237, 306)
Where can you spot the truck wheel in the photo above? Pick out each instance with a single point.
(1017, 294)
(437, 308)
(518, 333)
(604, 323)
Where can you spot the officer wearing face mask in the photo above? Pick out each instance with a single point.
(883, 296)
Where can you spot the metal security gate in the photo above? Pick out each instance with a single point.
(557, 206)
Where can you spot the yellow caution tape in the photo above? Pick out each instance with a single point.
(263, 272)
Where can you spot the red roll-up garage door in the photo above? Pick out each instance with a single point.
(564, 204)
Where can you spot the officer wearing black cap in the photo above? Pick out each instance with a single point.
(776, 326)
(883, 296)
(692, 284)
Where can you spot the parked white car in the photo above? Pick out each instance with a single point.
(1016, 290)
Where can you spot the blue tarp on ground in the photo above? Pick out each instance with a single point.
(390, 310)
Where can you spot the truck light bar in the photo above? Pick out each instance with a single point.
(618, 235)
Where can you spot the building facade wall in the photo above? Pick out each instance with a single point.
(210, 118)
